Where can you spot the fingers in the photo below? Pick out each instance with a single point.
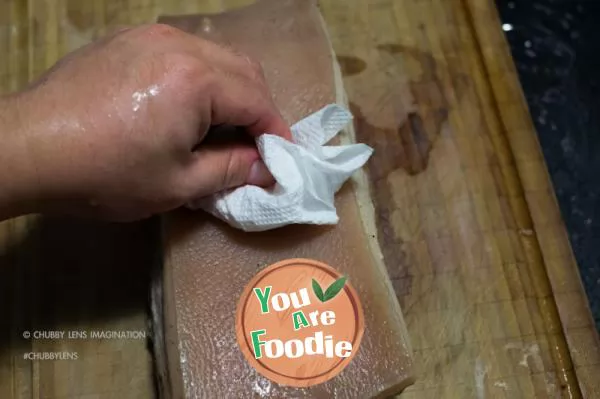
(239, 93)
(237, 102)
(217, 168)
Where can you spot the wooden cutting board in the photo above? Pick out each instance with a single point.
(467, 219)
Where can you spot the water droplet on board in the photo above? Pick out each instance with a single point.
(206, 25)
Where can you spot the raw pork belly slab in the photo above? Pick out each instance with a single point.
(207, 263)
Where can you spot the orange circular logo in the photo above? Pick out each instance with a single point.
(299, 322)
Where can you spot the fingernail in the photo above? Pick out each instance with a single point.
(259, 175)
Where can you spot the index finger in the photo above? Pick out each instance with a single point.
(236, 102)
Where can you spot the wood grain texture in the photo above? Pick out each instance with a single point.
(551, 253)
(467, 219)
(468, 222)
(67, 276)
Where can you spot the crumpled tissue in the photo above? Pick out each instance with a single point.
(307, 173)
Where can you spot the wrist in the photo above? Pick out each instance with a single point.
(18, 181)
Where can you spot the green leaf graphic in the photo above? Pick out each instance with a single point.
(334, 288)
(318, 290)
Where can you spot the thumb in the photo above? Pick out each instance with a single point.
(219, 167)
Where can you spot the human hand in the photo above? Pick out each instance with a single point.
(114, 130)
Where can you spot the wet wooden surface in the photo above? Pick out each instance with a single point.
(466, 215)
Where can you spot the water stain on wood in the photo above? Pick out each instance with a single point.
(422, 125)
(416, 142)
(407, 146)
(391, 245)
(390, 154)
(351, 65)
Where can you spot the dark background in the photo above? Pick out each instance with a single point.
(556, 48)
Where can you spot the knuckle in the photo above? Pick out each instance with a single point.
(185, 67)
(180, 62)
(159, 30)
(256, 69)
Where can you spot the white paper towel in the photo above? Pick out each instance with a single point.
(307, 175)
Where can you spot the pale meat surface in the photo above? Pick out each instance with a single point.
(208, 264)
